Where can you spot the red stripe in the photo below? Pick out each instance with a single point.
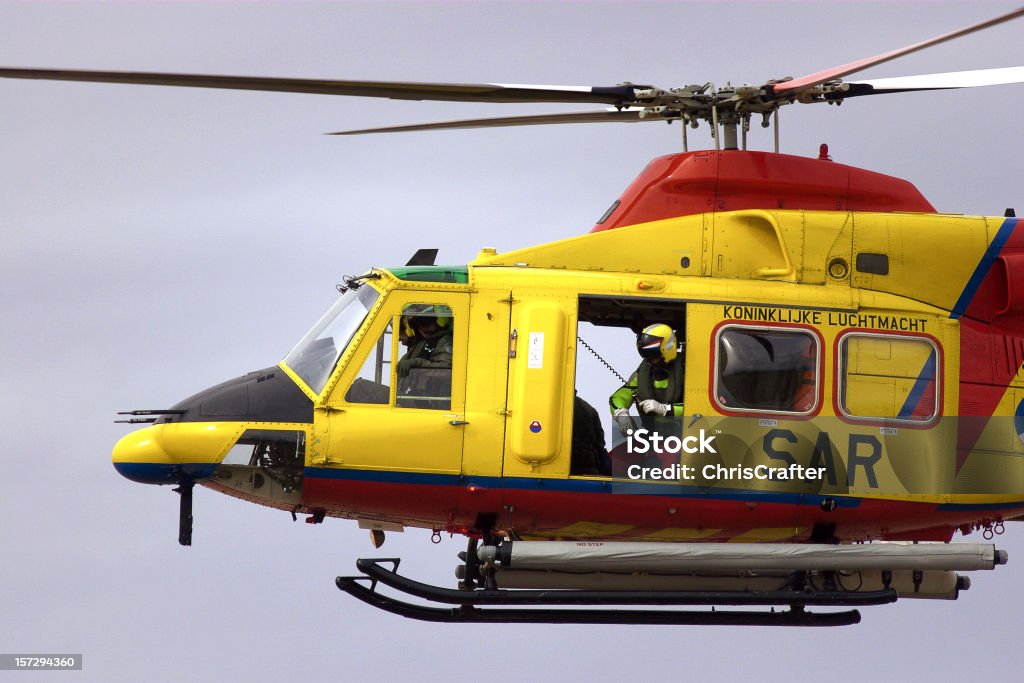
(545, 512)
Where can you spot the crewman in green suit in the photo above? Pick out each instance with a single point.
(657, 384)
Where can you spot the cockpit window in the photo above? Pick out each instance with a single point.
(313, 359)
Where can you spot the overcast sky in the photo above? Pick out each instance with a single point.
(157, 241)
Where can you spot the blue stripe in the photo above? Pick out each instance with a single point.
(383, 477)
(980, 507)
(149, 473)
(917, 391)
(576, 486)
(981, 271)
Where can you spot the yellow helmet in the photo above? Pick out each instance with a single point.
(414, 314)
(657, 342)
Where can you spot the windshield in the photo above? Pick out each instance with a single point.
(313, 359)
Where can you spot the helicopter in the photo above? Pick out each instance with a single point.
(499, 454)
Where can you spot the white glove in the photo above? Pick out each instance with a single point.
(652, 407)
(623, 420)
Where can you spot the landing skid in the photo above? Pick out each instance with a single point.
(477, 606)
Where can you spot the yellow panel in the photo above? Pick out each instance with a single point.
(869, 396)
(484, 435)
(674, 534)
(914, 244)
(886, 357)
(176, 443)
(620, 250)
(767, 535)
(805, 241)
(748, 244)
(538, 382)
(199, 441)
(593, 530)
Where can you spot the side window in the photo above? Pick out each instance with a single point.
(766, 369)
(372, 383)
(424, 370)
(884, 376)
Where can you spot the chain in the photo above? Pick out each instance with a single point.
(603, 361)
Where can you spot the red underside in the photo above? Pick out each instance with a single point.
(730, 180)
(548, 513)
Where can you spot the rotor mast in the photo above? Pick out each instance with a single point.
(727, 112)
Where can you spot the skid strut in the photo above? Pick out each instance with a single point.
(548, 606)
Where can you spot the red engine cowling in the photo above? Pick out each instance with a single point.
(729, 180)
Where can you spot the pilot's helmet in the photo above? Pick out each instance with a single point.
(657, 342)
(416, 315)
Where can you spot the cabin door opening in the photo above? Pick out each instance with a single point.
(607, 365)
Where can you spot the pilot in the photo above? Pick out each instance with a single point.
(427, 332)
(406, 334)
(657, 384)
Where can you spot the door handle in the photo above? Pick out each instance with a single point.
(457, 423)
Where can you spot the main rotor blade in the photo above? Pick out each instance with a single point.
(861, 64)
(398, 90)
(626, 115)
(944, 81)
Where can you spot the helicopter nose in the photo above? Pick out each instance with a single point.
(174, 453)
